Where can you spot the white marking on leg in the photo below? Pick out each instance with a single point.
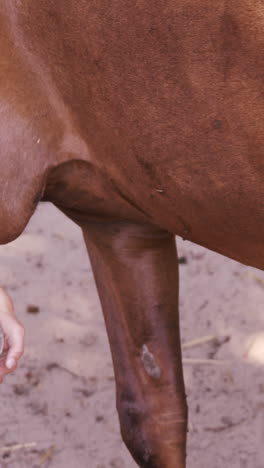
(149, 363)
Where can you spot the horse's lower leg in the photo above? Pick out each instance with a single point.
(136, 273)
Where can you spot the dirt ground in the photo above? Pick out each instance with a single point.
(58, 409)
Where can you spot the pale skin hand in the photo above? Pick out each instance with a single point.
(14, 336)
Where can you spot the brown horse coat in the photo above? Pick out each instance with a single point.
(140, 120)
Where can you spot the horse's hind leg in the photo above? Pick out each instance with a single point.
(136, 273)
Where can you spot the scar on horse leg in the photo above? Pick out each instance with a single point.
(136, 271)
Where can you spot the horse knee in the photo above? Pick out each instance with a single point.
(154, 439)
(133, 422)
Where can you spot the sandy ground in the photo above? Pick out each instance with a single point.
(62, 398)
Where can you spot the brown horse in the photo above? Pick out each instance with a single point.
(139, 120)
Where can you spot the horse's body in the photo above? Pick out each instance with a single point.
(140, 121)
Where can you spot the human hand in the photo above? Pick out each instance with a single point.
(13, 336)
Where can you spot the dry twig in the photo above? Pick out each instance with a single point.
(46, 455)
(13, 448)
(198, 341)
(212, 362)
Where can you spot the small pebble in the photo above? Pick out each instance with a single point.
(32, 309)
